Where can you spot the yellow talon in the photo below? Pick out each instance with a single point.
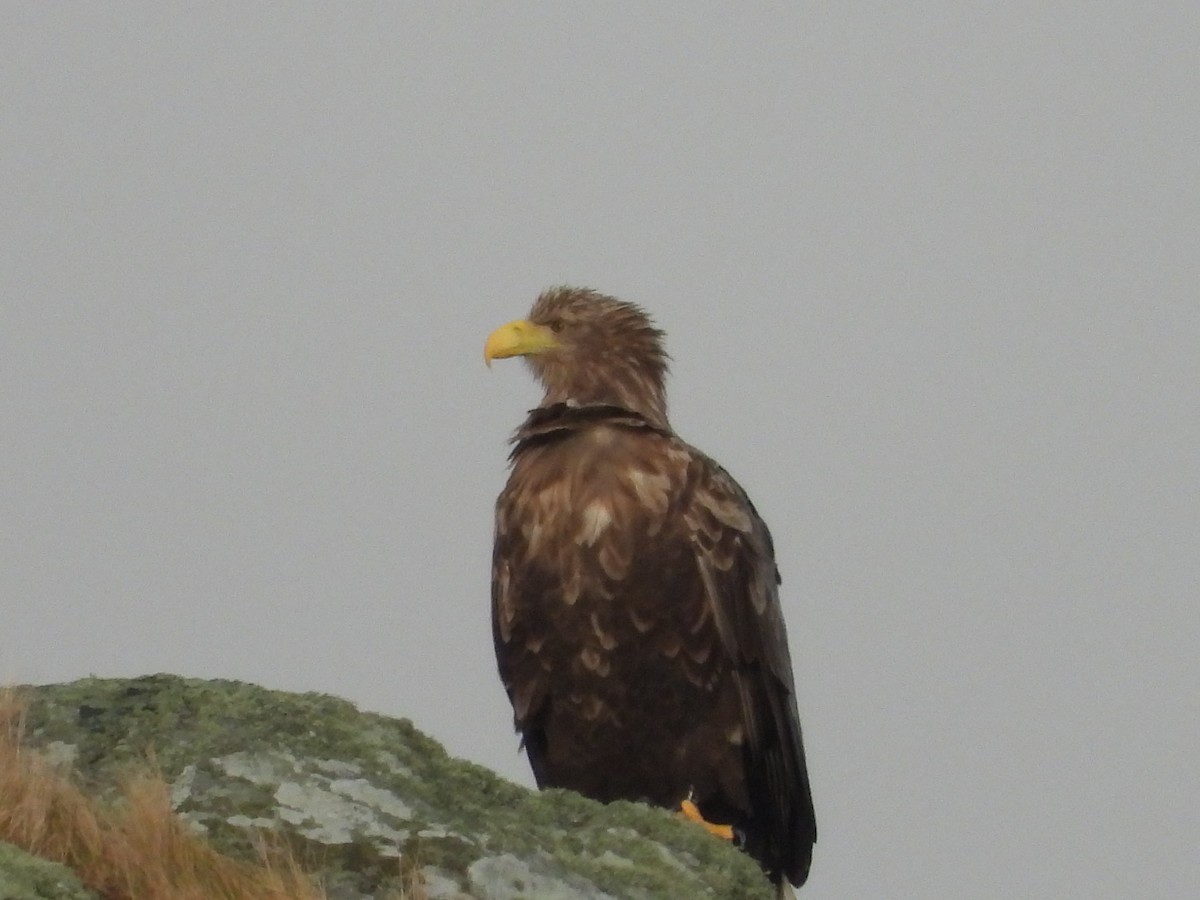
(691, 812)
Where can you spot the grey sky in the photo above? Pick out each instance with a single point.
(929, 276)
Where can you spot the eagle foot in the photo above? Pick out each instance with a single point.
(691, 812)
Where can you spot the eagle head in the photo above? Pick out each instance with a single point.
(587, 348)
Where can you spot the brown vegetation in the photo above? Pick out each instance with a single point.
(135, 849)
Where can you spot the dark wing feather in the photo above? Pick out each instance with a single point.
(736, 561)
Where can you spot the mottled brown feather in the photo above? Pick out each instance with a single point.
(636, 613)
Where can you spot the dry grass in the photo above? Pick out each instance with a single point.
(136, 850)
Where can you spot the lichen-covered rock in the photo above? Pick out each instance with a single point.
(25, 877)
(367, 801)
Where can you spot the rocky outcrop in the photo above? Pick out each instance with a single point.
(367, 802)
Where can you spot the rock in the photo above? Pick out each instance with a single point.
(369, 802)
(25, 877)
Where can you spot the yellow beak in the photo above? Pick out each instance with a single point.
(519, 338)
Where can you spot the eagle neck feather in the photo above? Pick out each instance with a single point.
(634, 384)
(550, 422)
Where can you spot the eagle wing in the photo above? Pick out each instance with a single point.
(740, 581)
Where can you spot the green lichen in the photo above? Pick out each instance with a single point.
(25, 877)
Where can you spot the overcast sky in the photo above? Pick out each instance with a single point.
(929, 276)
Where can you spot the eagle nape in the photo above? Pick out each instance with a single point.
(635, 597)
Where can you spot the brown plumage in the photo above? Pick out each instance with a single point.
(635, 603)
